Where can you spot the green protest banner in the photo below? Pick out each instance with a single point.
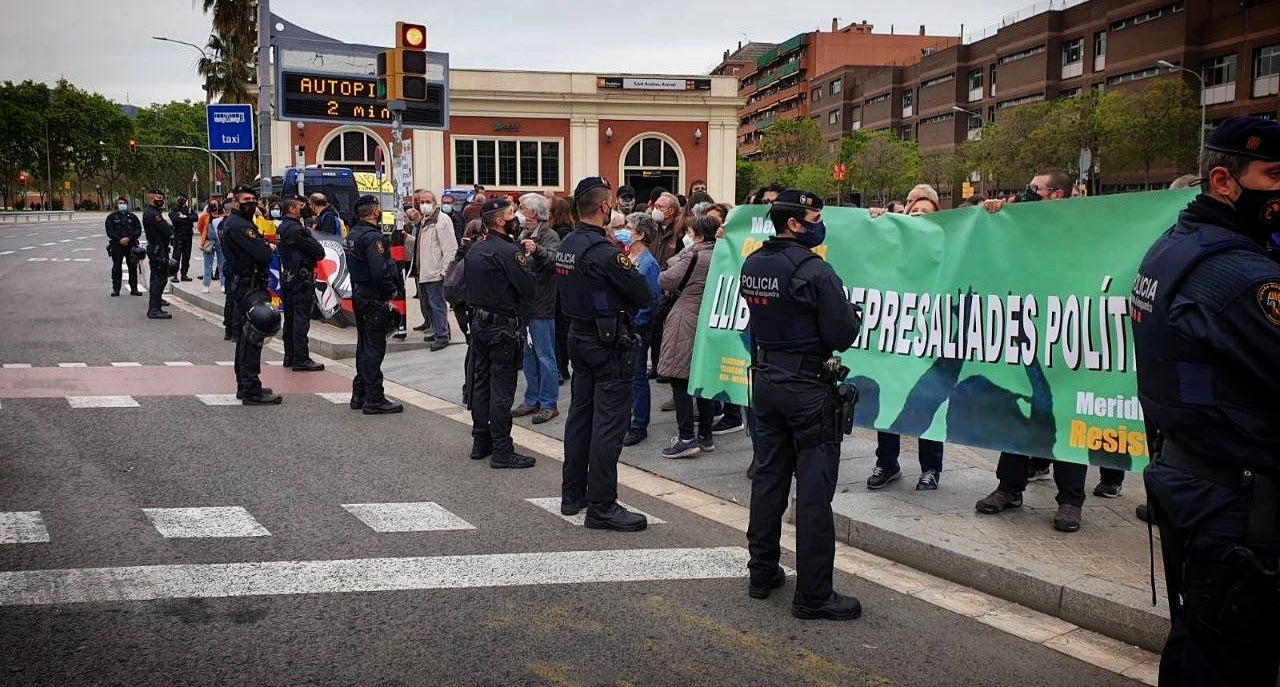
(1007, 330)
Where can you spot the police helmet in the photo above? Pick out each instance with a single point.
(139, 251)
(173, 267)
(264, 319)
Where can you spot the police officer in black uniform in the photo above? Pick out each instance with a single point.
(299, 253)
(374, 276)
(123, 232)
(499, 291)
(183, 219)
(1206, 326)
(247, 255)
(600, 292)
(799, 316)
(159, 238)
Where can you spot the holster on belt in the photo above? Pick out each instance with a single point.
(1260, 487)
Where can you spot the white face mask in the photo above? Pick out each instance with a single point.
(122, 206)
(658, 216)
(687, 240)
(427, 208)
(275, 214)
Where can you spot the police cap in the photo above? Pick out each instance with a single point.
(589, 184)
(244, 188)
(366, 199)
(625, 191)
(156, 191)
(494, 206)
(793, 199)
(1251, 137)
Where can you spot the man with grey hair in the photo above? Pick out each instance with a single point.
(434, 246)
(541, 371)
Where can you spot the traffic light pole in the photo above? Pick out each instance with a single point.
(264, 99)
(397, 108)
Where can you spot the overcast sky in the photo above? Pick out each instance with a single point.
(106, 45)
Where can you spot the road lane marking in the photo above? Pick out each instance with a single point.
(334, 396)
(180, 363)
(552, 505)
(126, 364)
(102, 402)
(64, 241)
(407, 517)
(7, 252)
(225, 363)
(49, 244)
(147, 583)
(216, 521)
(219, 399)
(73, 365)
(22, 527)
(81, 250)
(37, 259)
(17, 366)
(80, 259)
(27, 248)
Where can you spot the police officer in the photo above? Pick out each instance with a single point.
(799, 316)
(123, 232)
(1206, 325)
(299, 253)
(499, 291)
(159, 238)
(183, 219)
(247, 255)
(373, 281)
(600, 292)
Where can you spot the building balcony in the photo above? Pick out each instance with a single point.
(767, 80)
(795, 43)
(1073, 70)
(788, 69)
(789, 93)
(975, 94)
(1266, 85)
(1214, 95)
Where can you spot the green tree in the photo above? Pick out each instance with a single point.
(882, 165)
(790, 143)
(750, 176)
(171, 124)
(22, 111)
(230, 70)
(1155, 127)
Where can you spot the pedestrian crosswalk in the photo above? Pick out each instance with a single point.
(119, 401)
(230, 522)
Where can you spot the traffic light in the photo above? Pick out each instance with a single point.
(133, 146)
(22, 179)
(402, 71)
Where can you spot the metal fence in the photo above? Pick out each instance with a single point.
(27, 217)
(1020, 15)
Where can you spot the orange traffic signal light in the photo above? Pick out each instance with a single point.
(23, 179)
(411, 36)
(133, 146)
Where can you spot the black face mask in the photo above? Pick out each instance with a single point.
(215, 208)
(1029, 195)
(158, 203)
(247, 210)
(1258, 208)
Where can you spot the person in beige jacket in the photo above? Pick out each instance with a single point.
(434, 246)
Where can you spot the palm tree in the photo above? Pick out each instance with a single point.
(231, 74)
(232, 17)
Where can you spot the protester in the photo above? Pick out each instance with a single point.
(210, 249)
(684, 280)
(434, 243)
(541, 374)
(639, 227)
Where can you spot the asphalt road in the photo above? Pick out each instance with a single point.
(336, 548)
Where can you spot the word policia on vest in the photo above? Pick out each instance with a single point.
(1008, 330)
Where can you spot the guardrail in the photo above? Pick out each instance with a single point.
(27, 217)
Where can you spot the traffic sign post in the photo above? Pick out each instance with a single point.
(230, 128)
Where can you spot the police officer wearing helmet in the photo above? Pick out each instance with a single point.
(299, 253)
(600, 292)
(247, 255)
(123, 232)
(1206, 324)
(374, 278)
(159, 238)
(499, 291)
(799, 317)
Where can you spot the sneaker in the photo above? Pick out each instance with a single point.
(668, 405)
(545, 415)
(437, 345)
(997, 501)
(1107, 491)
(1035, 474)
(707, 444)
(928, 481)
(723, 426)
(881, 477)
(423, 327)
(761, 591)
(204, 289)
(634, 436)
(616, 518)
(523, 409)
(1067, 519)
(681, 448)
(836, 607)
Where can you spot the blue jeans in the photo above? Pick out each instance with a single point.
(541, 376)
(640, 385)
(210, 259)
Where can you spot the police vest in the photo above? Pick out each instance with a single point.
(780, 321)
(357, 250)
(1205, 403)
(290, 257)
(237, 262)
(584, 294)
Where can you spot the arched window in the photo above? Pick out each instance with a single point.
(652, 161)
(353, 149)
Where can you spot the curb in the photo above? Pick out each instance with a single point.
(1095, 604)
(323, 339)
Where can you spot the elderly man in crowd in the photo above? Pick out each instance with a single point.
(541, 372)
(434, 244)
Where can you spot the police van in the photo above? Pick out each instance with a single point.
(336, 183)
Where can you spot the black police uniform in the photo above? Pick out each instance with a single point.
(123, 224)
(799, 316)
(299, 252)
(1206, 325)
(600, 293)
(247, 255)
(373, 281)
(159, 238)
(499, 290)
(184, 222)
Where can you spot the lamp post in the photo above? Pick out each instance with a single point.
(1171, 66)
(207, 93)
(982, 178)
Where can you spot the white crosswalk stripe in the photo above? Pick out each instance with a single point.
(22, 527)
(102, 402)
(407, 517)
(219, 399)
(217, 521)
(335, 396)
(130, 364)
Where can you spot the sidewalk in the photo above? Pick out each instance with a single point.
(1097, 578)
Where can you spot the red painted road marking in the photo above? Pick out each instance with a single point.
(57, 382)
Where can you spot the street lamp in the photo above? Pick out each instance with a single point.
(1171, 66)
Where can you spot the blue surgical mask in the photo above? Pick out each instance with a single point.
(122, 207)
(446, 208)
(275, 213)
(814, 234)
(623, 236)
